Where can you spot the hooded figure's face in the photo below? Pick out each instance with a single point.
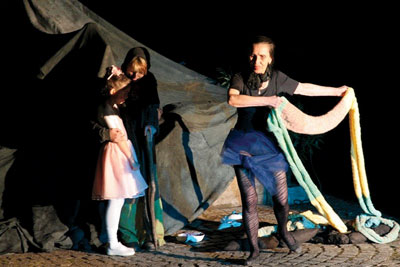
(134, 76)
(136, 63)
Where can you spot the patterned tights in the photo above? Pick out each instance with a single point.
(250, 216)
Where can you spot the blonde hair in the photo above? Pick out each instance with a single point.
(137, 65)
(116, 81)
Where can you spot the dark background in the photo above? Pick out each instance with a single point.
(329, 45)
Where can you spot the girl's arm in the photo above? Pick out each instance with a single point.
(235, 99)
(126, 149)
(309, 89)
(104, 127)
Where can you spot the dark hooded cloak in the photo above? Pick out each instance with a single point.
(141, 107)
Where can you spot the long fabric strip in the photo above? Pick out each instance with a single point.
(278, 128)
(289, 116)
(357, 163)
(361, 226)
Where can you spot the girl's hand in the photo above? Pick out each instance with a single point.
(116, 135)
(134, 165)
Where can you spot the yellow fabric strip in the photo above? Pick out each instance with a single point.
(357, 162)
(277, 126)
(290, 117)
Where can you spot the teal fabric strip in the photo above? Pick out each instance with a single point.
(278, 128)
(361, 225)
(370, 209)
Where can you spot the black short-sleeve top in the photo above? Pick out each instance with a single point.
(255, 118)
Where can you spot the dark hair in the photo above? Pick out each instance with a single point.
(262, 39)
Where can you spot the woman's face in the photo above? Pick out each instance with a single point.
(260, 58)
(134, 76)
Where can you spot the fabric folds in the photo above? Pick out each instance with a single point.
(256, 152)
(287, 117)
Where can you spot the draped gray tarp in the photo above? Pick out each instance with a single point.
(75, 46)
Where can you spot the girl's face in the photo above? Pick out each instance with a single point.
(120, 96)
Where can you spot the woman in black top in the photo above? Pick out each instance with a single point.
(251, 149)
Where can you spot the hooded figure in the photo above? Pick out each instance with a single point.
(143, 102)
(140, 116)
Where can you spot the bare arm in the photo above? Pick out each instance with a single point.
(235, 99)
(310, 89)
(123, 145)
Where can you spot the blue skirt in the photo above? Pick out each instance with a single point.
(254, 151)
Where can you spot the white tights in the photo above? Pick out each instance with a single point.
(113, 213)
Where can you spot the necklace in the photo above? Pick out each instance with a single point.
(263, 87)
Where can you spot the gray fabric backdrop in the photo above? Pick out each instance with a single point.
(195, 122)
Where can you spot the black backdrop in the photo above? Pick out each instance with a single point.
(330, 45)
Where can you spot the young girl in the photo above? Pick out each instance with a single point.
(117, 174)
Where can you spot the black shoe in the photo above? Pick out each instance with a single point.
(252, 259)
(294, 246)
(102, 249)
(148, 246)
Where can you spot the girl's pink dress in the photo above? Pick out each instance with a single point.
(114, 176)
